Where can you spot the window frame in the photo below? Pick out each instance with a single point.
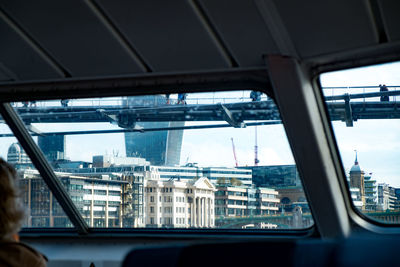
(359, 218)
(254, 78)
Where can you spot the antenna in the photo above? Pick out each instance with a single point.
(256, 161)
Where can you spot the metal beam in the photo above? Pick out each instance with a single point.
(362, 95)
(228, 116)
(194, 127)
(44, 168)
(305, 126)
(139, 84)
(347, 111)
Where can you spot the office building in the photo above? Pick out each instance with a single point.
(158, 147)
(387, 198)
(371, 196)
(179, 204)
(222, 175)
(356, 197)
(275, 176)
(53, 147)
(240, 201)
(216, 175)
(100, 201)
(16, 154)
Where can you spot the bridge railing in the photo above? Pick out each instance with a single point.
(335, 94)
(361, 93)
(122, 101)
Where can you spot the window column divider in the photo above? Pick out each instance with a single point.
(42, 165)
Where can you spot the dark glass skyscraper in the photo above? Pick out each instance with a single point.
(159, 147)
(53, 147)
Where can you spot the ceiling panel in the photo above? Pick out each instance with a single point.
(73, 36)
(390, 11)
(19, 60)
(319, 27)
(243, 30)
(168, 34)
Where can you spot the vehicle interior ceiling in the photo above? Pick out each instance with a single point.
(95, 48)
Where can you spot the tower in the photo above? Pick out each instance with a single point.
(53, 147)
(158, 147)
(357, 179)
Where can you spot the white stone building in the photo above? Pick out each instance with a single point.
(179, 204)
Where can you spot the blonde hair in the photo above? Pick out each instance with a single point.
(11, 211)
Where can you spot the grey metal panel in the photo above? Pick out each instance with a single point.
(243, 30)
(167, 34)
(391, 10)
(20, 59)
(322, 27)
(305, 129)
(73, 35)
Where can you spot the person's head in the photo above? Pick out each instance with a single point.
(11, 210)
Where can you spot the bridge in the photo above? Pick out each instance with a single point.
(285, 220)
(264, 112)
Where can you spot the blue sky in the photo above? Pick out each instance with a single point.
(377, 141)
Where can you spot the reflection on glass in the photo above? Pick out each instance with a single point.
(362, 104)
(204, 160)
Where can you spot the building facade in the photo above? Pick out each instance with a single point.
(158, 147)
(221, 175)
(16, 155)
(276, 176)
(179, 204)
(387, 199)
(240, 201)
(98, 200)
(216, 175)
(371, 196)
(53, 147)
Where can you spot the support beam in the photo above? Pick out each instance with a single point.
(306, 127)
(139, 84)
(348, 114)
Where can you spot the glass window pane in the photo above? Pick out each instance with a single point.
(43, 210)
(363, 108)
(198, 160)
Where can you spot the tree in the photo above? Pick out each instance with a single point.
(221, 181)
(236, 182)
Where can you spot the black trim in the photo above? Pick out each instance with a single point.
(36, 45)
(139, 84)
(212, 30)
(157, 233)
(117, 32)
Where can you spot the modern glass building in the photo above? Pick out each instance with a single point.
(158, 147)
(53, 147)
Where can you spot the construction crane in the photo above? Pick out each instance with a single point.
(256, 161)
(234, 152)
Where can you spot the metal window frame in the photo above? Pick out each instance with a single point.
(361, 221)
